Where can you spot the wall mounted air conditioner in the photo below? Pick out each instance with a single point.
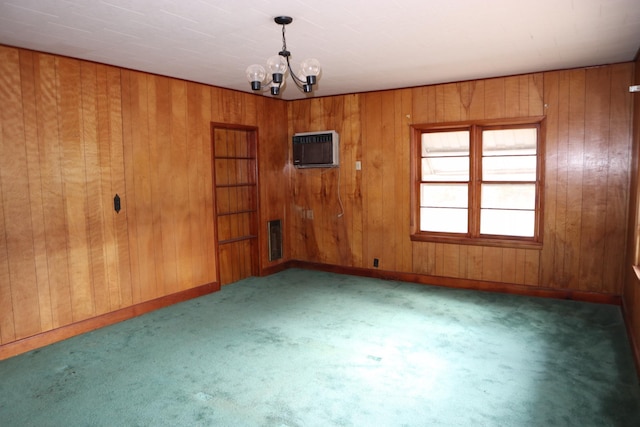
(316, 149)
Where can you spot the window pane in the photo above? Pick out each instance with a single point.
(509, 142)
(444, 195)
(445, 169)
(507, 223)
(443, 220)
(509, 196)
(509, 168)
(447, 143)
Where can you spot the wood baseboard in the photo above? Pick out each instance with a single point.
(633, 341)
(268, 271)
(477, 285)
(49, 337)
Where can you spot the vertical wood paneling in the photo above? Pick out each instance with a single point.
(450, 260)
(326, 209)
(206, 201)
(477, 106)
(140, 208)
(557, 265)
(554, 231)
(162, 187)
(55, 220)
(494, 94)
(402, 191)
(513, 97)
(475, 263)
(7, 324)
(274, 179)
(536, 94)
(492, 264)
(508, 273)
(120, 290)
(617, 191)
(180, 186)
(384, 199)
(130, 132)
(73, 135)
(532, 267)
(373, 158)
(75, 188)
(595, 177)
(198, 137)
(28, 91)
(171, 163)
(93, 177)
(575, 176)
(19, 234)
(631, 292)
(584, 155)
(352, 129)
(109, 247)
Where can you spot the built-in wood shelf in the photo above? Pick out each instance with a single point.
(237, 212)
(248, 184)
(237, 239)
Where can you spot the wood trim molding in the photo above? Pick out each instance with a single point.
(478, 285)
(277, 268)
(635, 345)
(36, 341)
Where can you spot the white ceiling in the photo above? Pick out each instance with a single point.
(362, 45)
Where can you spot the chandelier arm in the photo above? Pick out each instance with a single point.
(266, 86)
(299, 82)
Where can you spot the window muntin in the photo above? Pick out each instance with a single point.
(479, 182)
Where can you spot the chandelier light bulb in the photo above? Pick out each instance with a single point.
(255, 75)
(311, 69)
(277, 66)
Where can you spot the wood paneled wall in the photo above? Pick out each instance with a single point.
(76, 133)
(588, 113)
(631, 296)
(63, 250)
(73, 134)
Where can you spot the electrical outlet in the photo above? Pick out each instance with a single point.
(375, 262)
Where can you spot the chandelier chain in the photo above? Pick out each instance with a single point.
(284, 39)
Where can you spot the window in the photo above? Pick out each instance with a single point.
(478, 183)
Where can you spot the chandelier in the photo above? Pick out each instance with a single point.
(279, 64)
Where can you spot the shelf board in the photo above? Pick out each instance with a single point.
(238, 212)
(234, 158)
(248, 184)
(236, 239)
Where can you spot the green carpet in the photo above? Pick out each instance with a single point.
(308, 348)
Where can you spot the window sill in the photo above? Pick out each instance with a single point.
(479, 241)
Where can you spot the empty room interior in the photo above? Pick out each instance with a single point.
(433, 220)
